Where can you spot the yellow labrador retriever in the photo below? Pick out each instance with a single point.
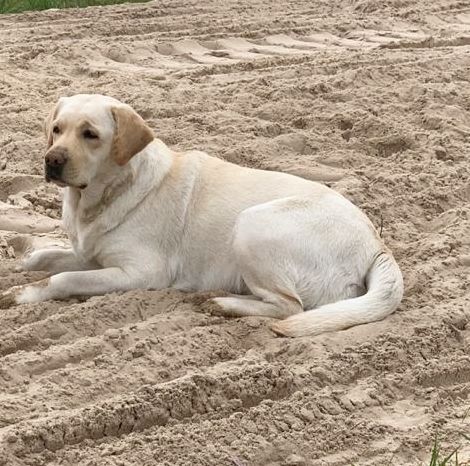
(139, 215)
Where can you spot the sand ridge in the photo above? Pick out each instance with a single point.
(371, 98)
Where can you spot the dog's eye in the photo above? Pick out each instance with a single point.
(87, 134)
(56, 130)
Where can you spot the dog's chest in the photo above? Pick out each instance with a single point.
(85, 239)
(84, 235)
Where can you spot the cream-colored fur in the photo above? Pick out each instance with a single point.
(139, 215)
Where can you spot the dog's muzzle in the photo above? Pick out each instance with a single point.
(54, 164)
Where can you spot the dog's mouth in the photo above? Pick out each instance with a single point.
(56, 181)
(62, 184)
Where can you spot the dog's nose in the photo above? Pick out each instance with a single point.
(55, 161)
(56, 158)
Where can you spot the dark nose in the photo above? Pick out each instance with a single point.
(55, 161)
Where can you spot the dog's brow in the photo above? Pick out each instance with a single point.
(87, 123)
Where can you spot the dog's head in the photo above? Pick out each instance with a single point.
(89, 134)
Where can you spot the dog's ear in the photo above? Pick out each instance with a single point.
(131, 134)
(47, 125)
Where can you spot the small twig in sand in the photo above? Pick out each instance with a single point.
(236, 461)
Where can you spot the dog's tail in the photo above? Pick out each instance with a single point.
(384, 284)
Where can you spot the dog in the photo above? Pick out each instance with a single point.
(139, 215)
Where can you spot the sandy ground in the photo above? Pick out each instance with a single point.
(371, 97)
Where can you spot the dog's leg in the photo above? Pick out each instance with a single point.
(272, 295)
(54, 261)
(66, 284)
(263, 254)
(271, 306)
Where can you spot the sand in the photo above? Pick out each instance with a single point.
(370, 97)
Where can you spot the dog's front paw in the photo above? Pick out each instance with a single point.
(9, 298)
(31, 261)
(24, 294)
